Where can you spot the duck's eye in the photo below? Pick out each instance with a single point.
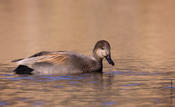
(102, 48)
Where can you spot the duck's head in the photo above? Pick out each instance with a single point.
(102, 50)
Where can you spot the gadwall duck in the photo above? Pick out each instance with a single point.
(65, 62)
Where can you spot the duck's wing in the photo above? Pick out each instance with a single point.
(53, 58)
(45, 57)
(40, 54)
(35, 55)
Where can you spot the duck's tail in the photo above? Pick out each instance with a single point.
(23, 69)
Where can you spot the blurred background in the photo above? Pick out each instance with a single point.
(141, 34)
(137, 28)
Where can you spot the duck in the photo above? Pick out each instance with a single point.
(65, 62)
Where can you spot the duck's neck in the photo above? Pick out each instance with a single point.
(98, 63)
(97, 58)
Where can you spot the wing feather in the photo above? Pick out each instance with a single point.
(49, 57)
(40, 54)
(53, 58)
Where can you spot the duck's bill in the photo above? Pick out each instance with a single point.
(110, 61)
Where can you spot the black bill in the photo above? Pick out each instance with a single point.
(110, 61)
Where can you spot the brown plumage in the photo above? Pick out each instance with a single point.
(66, 62)
(53, 58)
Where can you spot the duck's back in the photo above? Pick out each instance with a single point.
(60, 62)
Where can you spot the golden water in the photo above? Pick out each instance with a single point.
(141, 33)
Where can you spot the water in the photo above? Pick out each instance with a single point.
(141, 34)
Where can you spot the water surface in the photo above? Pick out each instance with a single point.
(141, 34)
